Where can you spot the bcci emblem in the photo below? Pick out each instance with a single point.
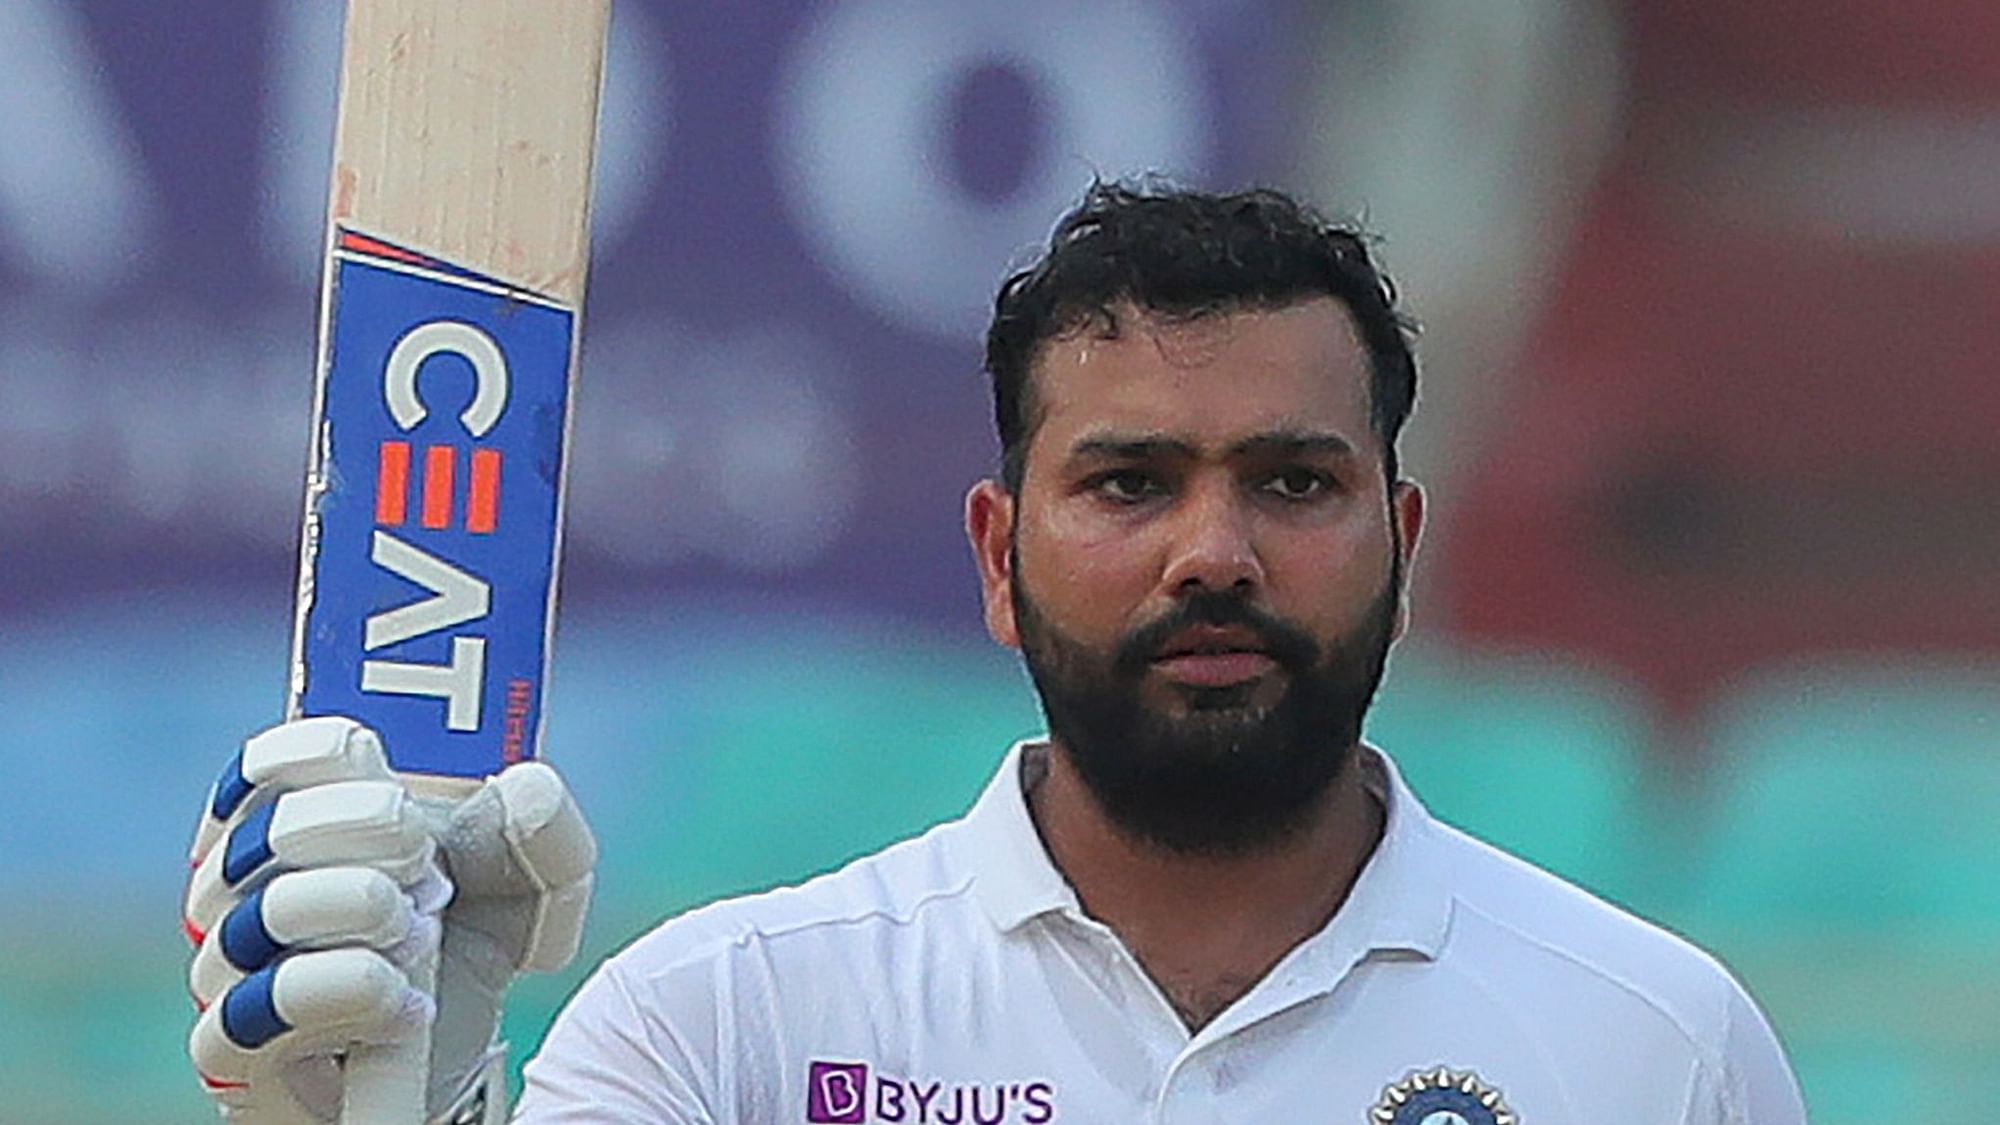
(1441, 1097)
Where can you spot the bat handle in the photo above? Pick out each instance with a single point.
(384, 1084)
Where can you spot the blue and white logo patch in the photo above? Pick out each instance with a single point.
(1441, 1097)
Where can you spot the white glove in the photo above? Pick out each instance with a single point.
(317, 884)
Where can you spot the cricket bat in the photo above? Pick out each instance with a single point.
(456, 247)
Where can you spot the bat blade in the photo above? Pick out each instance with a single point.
(457, 251)
(457, 247)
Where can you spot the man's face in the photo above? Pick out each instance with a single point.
(1202, 568)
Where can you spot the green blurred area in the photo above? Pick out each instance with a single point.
(1837, 847)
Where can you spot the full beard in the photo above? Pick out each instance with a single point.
(1226, 776)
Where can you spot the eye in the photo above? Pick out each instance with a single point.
(1127, 486)
(1298, 483)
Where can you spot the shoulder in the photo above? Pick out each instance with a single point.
(1597, 936)
(1556, 944)
(908, 884)
(656, 1028)
(1508, 909)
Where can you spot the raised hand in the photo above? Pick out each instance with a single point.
(319, 881)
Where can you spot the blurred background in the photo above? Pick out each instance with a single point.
(1709, 620)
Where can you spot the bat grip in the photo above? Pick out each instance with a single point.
(384, 1084)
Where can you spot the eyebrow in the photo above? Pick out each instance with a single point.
(1148, 447)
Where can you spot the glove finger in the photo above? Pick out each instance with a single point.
(302, 910)
(268, 1102)
(528, 808)
(294, 755)
(344, 824)
(523, 836)
(313, 1004)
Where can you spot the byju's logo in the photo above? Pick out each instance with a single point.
(848, 1093)
(837, 1092)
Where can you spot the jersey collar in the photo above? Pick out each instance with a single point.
(1401, 900)
(1014, 878)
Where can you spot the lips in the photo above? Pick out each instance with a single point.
(1214, 656)
(1211, 640)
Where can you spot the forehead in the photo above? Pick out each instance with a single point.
(1215, 378)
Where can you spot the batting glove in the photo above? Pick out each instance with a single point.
(320, 881)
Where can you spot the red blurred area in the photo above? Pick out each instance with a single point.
(1760, 417)
(1881, 51)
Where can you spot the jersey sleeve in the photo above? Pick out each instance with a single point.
(606, 1063)
(1759, 1085)
(1750, 1082)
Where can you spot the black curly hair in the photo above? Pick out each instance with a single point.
(1181, 253)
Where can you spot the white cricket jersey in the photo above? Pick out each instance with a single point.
(954, 979)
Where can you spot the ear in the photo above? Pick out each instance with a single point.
(989, 526)
(1406, 505)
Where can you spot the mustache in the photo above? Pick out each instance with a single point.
(1292, 647)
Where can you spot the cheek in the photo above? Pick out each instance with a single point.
(1089, 581)
(1328, 580)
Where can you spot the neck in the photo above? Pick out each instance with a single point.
(1206, 928)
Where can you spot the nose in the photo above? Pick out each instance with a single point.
(1214, 546)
